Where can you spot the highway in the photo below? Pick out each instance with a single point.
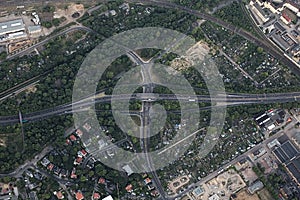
(265, 44)
(21, 86)
(227, 100)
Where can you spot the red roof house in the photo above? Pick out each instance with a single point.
(79, 195)
(128, 188)
(50, 166)
(101, 180)
(73, 138)
(96, 195)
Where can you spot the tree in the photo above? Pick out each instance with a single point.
(91, 174)
(3, 55)
(83, 178)
(260, 50)
(100, 170)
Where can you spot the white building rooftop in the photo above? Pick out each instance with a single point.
(108, 198)
(127, 169)
(11, 26)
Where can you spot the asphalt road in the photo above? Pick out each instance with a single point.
(271, 98)
(145, 132)
(8, 3)
(20, 170)
(232, 162)
(229, 100)
(31, 48)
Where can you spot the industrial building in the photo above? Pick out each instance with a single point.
(258, 13)
(286, 152)
(12, 29)
(289, 156)
(34, 29)
(270, 119)
(294, 169)
(296, 139)
(255, 187)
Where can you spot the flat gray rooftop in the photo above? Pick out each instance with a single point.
(11, 26)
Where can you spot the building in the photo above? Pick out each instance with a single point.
(296, 139)
(280, 41)
(73, 138)
(286, 152)
(154, 193)
(50, 167)
(12, 26)
(289, 156)
(73, 173)
(78, 161)
(108, 198)
(197, 192)
(45, 162)
(258, 13)
(101, 180)
(36, 19)
(79, 195)
(33, 196)
(96, 196)
(59, 195)
(34, 29)
(258, 185)
(291, 7)
(16, 35)
(285, 18)
(264, 120)
(296, 50)
(279, 26)
(129, 188)
(258, 153)
(214, 197)
(269, 6)
(273, 144)
(79, 133)
(147, 180)
(128, 170)
(294, 169)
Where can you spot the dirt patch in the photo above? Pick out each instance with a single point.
(264, 195)
(244, 195)
(19, 45)
(31, 89)
(178, 183)
(227, 183)
(249, 175)
(193, 55)
(67, 13)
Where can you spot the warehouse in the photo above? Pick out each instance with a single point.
(294, 169)
(12, 26)
(286, 152)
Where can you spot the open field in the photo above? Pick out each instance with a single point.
(264, 195)
(244, 195)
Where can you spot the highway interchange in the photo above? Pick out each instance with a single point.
(147, 97)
